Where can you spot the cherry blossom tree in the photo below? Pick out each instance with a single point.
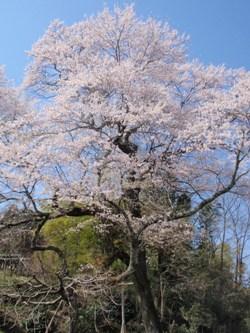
(129, 129)
(13, 120)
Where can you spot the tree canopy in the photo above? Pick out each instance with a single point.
(120, 125)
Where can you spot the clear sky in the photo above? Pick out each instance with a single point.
(219, 29)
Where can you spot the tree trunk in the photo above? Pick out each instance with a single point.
(123, 326)
(150, 319)
(149, 313)
(73, 314)
(73, 328)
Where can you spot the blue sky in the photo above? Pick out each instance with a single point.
(219, 29)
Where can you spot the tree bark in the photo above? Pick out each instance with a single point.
(73, 328)
(73, 313)
(149, 313)
(150, 318)
(123, 325)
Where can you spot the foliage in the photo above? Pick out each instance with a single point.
(76, 237)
